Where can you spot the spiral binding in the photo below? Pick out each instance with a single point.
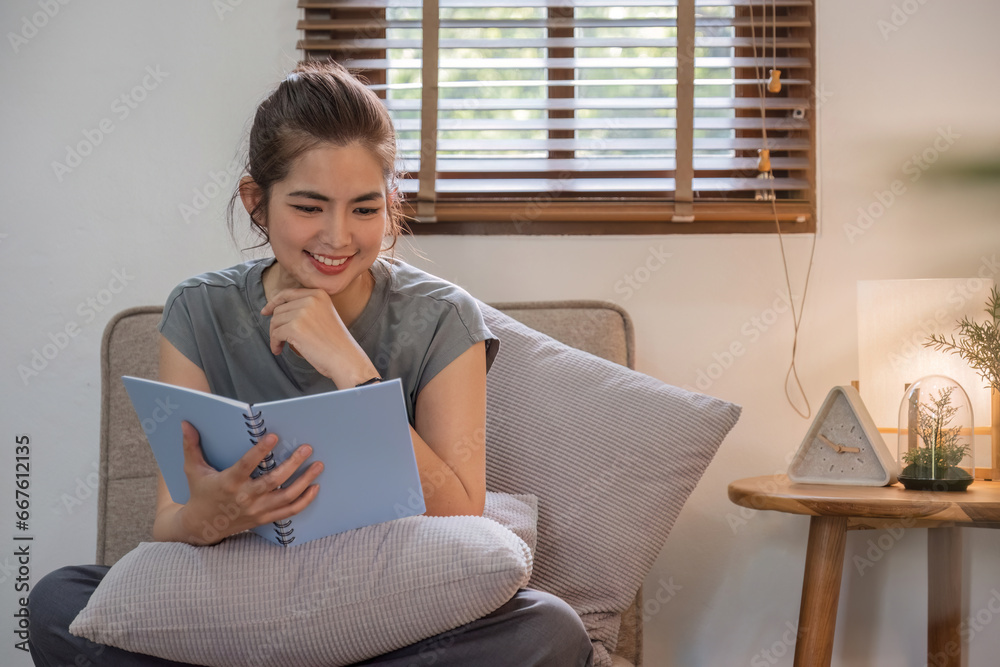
(256, 430)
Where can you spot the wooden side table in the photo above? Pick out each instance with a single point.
(835, 508)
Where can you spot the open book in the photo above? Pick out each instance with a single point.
(361, 435)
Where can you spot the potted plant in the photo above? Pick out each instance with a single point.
(938, 456)
(978, 344)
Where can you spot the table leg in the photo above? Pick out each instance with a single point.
(820, 591)
(944, 596)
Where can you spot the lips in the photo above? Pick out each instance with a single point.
(329, 265)
(329, 261)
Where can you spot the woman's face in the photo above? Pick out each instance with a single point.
(327, 218)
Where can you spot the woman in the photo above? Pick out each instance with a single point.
(330, 310)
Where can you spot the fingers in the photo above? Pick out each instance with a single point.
(282, 503)
(287, 510)
(191, 442)
(292, 499)
(298, 315)
(282, 326)
(286, 296)
(190, 438)
(276, 346)
(283, 472)
(244, 468)
(304, 482)
(250, 502)
(249, 461)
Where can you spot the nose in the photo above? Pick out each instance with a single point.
(336, 232)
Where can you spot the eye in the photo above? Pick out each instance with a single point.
(306, 209)
(366, 211)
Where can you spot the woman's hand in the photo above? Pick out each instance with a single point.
(227, 502)
(307, 320)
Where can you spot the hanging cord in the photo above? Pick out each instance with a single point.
(796, 315)
(774, 83)
(774, 34)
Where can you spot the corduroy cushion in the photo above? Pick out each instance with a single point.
(332, 601)
(612, 455)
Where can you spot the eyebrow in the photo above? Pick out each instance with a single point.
(310, 194)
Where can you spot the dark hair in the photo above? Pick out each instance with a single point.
(318, 102)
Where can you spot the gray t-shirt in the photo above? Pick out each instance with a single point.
(413, 326)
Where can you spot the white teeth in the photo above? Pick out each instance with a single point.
(327, 261)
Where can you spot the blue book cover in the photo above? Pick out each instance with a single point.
(361, 435)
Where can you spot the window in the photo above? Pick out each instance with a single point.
(588, 117)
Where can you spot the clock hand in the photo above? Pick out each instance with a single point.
(840, 449)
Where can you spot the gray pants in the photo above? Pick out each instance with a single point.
(532, 628)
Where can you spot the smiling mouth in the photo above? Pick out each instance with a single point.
(327, 260)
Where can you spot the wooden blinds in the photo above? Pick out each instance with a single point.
(541, 116)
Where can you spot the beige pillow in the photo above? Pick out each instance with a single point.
(612, 455)
(333, 601)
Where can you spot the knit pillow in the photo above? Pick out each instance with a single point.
(612, 455)
(332, 601)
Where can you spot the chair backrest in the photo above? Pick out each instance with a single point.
(127, 495)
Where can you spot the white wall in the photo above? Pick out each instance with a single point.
(889, 96)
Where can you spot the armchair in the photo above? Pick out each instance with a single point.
(128, 471)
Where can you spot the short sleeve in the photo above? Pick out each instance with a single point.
(177, 326)
(459, 327)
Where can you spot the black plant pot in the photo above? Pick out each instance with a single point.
(917, 478)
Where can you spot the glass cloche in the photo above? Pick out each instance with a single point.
(936, 440)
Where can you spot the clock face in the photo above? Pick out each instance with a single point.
(843, 446)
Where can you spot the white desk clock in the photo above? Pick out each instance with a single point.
(843, 446)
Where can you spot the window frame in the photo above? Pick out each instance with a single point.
(624, 213)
